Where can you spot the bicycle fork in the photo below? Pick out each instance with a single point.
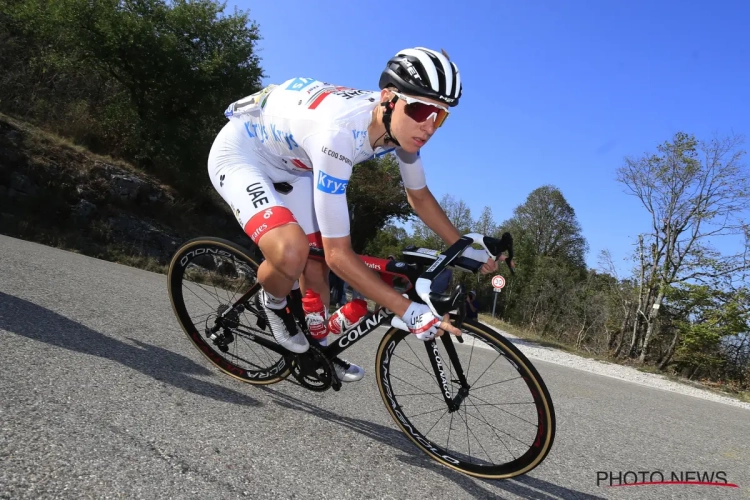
(453, 402)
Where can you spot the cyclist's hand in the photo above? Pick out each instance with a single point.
(489, 265)
(426, 325)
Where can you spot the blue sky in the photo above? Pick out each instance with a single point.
(554, 92)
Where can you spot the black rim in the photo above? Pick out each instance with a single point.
(503, 427)
(207, 278)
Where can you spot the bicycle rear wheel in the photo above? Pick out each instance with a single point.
(504, 422)
(213, 286)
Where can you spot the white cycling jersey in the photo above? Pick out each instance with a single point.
(305, 125)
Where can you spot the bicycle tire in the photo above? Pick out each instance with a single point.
(180, 261)
(538, 449)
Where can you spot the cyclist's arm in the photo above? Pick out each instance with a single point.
(421, 199)
(429, 210)
(345, 263)
(331, 155)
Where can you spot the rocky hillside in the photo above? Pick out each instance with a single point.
(58, 194)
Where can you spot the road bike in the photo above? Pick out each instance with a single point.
(472, 402)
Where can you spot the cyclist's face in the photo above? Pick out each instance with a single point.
(411, 134)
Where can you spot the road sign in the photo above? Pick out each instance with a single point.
(498, 281)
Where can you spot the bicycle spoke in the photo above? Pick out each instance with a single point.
(497, 405)
(422, 368)
(471, 356)
(469, 431)
(433, 425)
(483, 420)
(494, 431)
(418, 358)
(448, 441)
(485, 370)
(201, 298)
(250, 343)
(439, 398)
(495, 383)
(416, 394)
(468, 441)
(426, 412)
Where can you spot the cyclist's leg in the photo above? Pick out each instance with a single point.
(246, 184)
(300, 202)
(285, 250)
(316, 277)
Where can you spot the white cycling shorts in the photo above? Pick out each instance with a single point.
(245, 182)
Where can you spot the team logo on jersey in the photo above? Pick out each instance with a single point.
(345, 92)
(300, 83)
(334, 154)
(330, 184)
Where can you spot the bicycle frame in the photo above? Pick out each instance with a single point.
(381, 315)
(371, 321)
(419, 289)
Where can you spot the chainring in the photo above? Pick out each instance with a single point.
(314, 370)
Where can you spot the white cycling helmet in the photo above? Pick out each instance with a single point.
(423, 72)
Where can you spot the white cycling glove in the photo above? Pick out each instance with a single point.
(421, 322)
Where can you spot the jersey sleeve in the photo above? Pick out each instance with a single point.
(331, 155)
(412, 171)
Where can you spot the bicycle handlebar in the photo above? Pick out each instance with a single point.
(440, 304)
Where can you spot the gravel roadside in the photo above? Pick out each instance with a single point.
(627, 373)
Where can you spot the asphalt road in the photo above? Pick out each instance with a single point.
(102, 396)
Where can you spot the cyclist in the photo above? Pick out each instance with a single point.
(310, 134)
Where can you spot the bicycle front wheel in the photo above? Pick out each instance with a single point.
(501, 426)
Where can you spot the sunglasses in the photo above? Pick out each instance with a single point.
(419, 111)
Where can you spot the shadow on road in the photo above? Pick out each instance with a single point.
(524, 486)
(30, 320)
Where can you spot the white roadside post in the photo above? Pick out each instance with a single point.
(498, 282)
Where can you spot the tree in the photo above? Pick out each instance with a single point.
(375, 196)
(169, 69)
(390, 240)
(620, 293)
(705, 318)
(694, 191)
(550, 226)
(550, 252)
(485, 224)
(457, 211)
